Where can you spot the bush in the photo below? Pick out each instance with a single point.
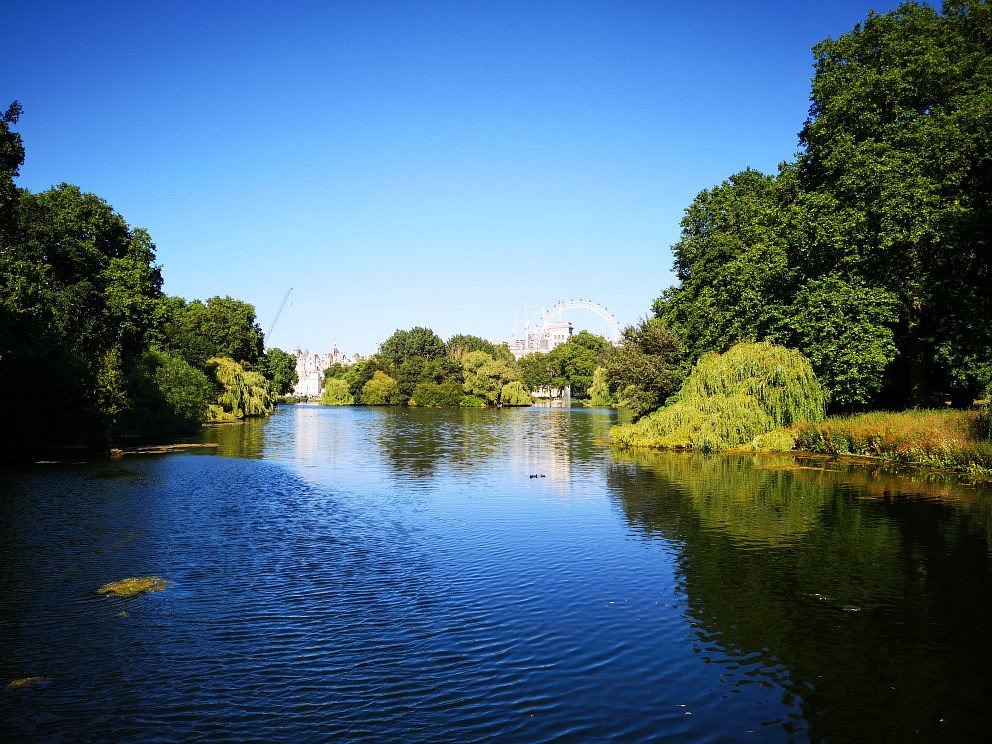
(167, 396)
(473, 401)
(447, 394)
(730, 399)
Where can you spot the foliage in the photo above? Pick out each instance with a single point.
(358, 374)
(219, 327)
(646, 368)
(167, 396)
(514, 393)
(846, 331)
(731, 262)
(417, 342)
(486, 377)
(729, 399)
(871, 253)
(473, 401)
(380, 390)
(447, 394)
(461, 344)
(279, 367)
(336, 393)
(599, 391)
(243, 392)
(78, 288)
(939, 438)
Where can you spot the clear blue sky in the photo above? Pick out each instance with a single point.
(446, 164)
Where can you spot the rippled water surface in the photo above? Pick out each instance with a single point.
(395, 574)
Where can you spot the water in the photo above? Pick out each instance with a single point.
(395, 574)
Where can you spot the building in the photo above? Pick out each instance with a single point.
(310, 369)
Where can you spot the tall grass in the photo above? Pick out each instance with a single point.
(950, 439)
(730, 399)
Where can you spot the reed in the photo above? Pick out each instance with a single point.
(948, 439)
(731, 399)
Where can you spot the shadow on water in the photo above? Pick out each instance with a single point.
(871, 587)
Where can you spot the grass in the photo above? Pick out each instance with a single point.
(946, 439)
(730, 400)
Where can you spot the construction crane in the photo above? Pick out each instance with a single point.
(275, 320)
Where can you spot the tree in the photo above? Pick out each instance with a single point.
(242, 392)
(336, 393)
(381, 390)
(599, 391)
(486, 377)
(732, 265)
(461, 344)
(417, 342)
(896, 179)
(78, 292)
(846, 332)
(219, 327)
(280, 367)
(647, 367)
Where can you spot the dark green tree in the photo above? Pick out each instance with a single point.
(280, 368)
(647, 367)
(896, 177)
(219, 327)
(417, 342)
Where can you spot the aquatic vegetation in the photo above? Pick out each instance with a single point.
(132, 587)
(27, 682)
(730, 399)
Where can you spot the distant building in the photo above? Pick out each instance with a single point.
(310, 369)
(543, 339)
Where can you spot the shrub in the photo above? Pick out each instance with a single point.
(447, 394)
(730, 399)
(472, 401)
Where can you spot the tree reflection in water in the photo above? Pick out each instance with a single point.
(873, 588)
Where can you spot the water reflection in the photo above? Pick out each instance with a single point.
(873, 594)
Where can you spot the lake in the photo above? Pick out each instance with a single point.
(400, 574)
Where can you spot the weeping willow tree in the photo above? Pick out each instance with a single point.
(730, 399)
(243, 392)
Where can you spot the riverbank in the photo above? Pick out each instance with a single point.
(943, 439)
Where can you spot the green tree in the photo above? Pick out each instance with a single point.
(336, 393)
(167, 396)
(846, 332)
(732, 266)
(896, 181)
(646, 368)
(599, 391)
(461, 344)
(417, 342)
(78, 290)
(242, 392)
(381, 390)
(486, 377)
(219, 327)
(280, 368)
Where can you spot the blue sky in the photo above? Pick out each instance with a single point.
(456, 165)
